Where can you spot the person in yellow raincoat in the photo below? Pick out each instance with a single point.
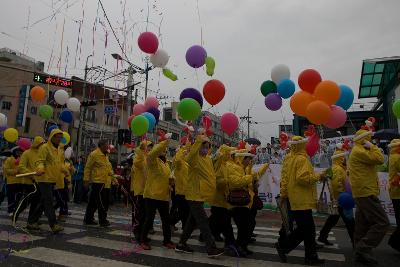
(220, 218)
(99, 174)
(199, 189)
(180, 208)
(27, 164)
(300, 188)
(157, 194)
(138, 181)
(49, 166)
(371, 220)
(394, 190)
(338, 187)
(14, 185)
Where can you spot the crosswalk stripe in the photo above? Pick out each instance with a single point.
(258, 249)
(18, 237)
(67, 258)
(67, 230)
(171, 254)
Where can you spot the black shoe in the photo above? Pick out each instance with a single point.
(183, 248)
(247, 251)
(253, 235)
(218, 238)
(201, 239)
(281, 253)
(365, 257)
(315, 261)
(252, 240)
(90, 223)
(152, 232)
(215, 252)
(325, 242)
(105, 223)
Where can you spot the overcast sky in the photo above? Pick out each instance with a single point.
(246, 38)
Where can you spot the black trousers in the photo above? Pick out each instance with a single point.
(31, 196)
(253, 215)
(179, 210)
(394, 240)
(305, 231)
(220, 222)
(14, 195)
(98, 200)
(331, 222)
(45, 204)
(151, 206)
(241, 217)
(62, 200)
(77, 191)
(138, 215)
(197, 218)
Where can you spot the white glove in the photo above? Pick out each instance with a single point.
(168, 135)
(367, 144)
(191, 128)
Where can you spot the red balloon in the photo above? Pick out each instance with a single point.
(148, 42)
(214, 91)
(130, 118)
(312, 146)
(308, 80)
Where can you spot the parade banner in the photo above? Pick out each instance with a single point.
(270, 181)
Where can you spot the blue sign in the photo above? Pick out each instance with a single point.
(22, 105)
(110, 110)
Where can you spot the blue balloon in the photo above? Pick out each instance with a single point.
(152, 120)
(286, 88)
(346, 97)
(346, 200)
(51, 128)
(66, 116)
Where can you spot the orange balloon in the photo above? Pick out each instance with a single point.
(327, 91)
(318, 112)
(37, 94)
(299, 102)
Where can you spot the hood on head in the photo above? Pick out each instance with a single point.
(54, 132)
(37, 141)
(394, 146)
(298, 144)
(339, 157)
(362, 136)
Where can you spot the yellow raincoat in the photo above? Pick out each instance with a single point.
(284, 175)
(362, 167)
(202, 180)
(339, 174)
(51, 161)
(98, 169)
(181, 169)
(157, 182)
(301, 184)
(139, 169)
(394, 169)
(28, 160)
(10, 169)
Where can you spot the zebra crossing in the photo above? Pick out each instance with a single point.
(79, 245)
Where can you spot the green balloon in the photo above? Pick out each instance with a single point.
(396, 108)
(169, 74)
(45, 112)
(189, 109)
(210, 66)
(139, 125)
(268, 87)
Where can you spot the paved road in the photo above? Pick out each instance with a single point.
(95, 246)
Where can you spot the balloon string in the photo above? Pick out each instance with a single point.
(201, 25)
(148, 14)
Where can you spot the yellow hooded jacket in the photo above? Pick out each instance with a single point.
(139, 170)
(202, 180)
(157, 182)
(181, 169)
(284, 175)
(50, 160)
(394, 169)
(98, 169)
(339, 174)
(301, 186)
(362, 167)
(28, 160)
(10, 169)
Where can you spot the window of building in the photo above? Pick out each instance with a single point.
(91, 115)
(27, 124)
(6, 105)
(112, 120)
(168, 114)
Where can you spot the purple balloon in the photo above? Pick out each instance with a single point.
(2, 128)
(192, 93)
(347, 185)
(196, 56)
(273, 101)
(155, 112)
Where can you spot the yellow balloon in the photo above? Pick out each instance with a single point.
(65, 139)
(11, 135)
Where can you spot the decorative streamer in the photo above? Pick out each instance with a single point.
(61, 49)
(201, 25)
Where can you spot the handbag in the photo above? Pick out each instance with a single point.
(330, 208)
(333, 205)
(257, 202)
(238, 197)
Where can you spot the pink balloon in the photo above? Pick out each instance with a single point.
(338, 117)
(24, 143)
(138, 109)
(229, 123)
(148, 42)
(151, 102)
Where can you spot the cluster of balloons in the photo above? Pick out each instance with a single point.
(148, 43)
(145, 116)
(280, 86)
(196, 57)
(321, 102)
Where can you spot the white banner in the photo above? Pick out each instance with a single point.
(270, 181)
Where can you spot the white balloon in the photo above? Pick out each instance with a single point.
(3, 120)
(279, 73)
(68, 153)
(61, 97)
(74, 104)
(160, 58)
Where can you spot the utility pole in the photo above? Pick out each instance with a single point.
(83, 110)
(147, 78)
(248, 122)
